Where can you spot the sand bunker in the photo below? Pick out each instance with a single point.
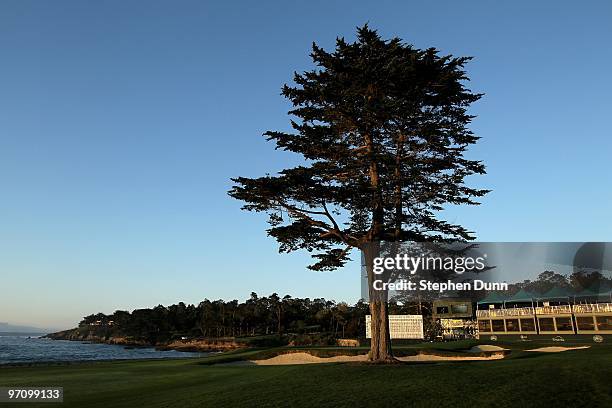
(558, 349)
(431, 357)
(305, 358)
(486, 347)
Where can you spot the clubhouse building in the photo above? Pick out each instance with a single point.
(560, 311)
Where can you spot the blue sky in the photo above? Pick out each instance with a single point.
(122, 122)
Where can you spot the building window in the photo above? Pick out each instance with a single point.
(512, 325)
(585, 323)
(546, 324)
(604, 322)
(527, 325)
(459, 308)
(484, 325)
(498, 325)
(564, 324)
(442, 310)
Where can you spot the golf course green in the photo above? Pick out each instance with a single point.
(576, 378)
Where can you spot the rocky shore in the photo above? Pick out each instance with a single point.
(189, 345)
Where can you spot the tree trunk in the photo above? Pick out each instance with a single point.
(380, 345)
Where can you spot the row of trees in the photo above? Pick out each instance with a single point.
(255, 316)
(273, 315)
(576, 282)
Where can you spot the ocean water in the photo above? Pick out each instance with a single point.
(30, 348)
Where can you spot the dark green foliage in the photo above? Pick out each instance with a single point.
(301, 321)
(383, 128)
(576, 282)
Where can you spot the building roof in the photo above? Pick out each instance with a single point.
(594, 292)
(604, 289)
(558, 292)
(493, 297)
(521, 296)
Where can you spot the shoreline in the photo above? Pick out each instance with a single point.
(195, 345)
(153, 353)
(61, 363)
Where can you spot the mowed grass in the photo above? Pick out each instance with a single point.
(581, 378)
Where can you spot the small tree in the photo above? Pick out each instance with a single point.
(382, 127)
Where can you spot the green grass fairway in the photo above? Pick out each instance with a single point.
(581, 378)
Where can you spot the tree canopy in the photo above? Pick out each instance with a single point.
(383, 129)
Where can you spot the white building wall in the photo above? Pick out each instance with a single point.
(401, 326)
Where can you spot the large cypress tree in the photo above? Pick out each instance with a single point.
(383, 128)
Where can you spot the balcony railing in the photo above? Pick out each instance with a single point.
(546, 310)
(554, 310)
(593, 308)
(515, 311)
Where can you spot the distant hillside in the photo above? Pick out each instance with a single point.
(12, 328)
